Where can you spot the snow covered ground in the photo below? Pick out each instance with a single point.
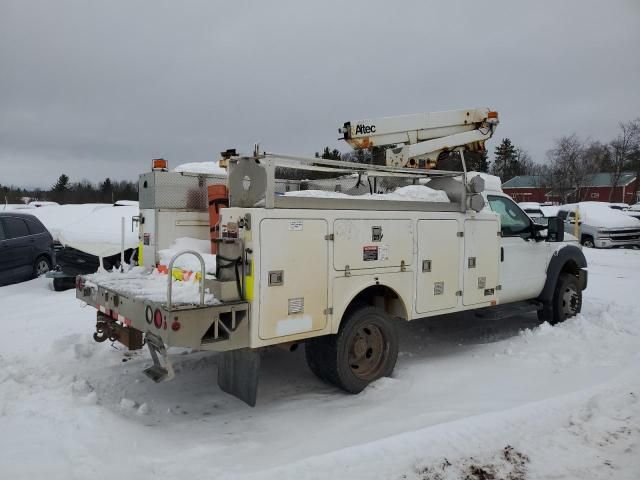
(469, 398)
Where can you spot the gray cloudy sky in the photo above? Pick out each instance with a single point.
(98, 88)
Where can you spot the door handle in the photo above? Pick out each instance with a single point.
(502, 254)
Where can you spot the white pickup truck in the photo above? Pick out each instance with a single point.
(335, 271)
(601, 226)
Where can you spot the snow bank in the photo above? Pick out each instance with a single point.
(100, 232)
(211, 168)
(415, 193)
(141, 283)
(59, 217)
(189, 262)
(94, 228)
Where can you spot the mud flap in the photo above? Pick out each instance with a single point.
(238, 374)
(161, 370)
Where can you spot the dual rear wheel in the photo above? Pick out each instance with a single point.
(364, 349)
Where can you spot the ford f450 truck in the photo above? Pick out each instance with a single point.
(337, 264)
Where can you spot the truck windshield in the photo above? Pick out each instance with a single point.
(513, 221)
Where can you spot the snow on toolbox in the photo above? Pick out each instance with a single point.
(334, 270)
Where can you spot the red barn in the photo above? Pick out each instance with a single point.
(530, 188)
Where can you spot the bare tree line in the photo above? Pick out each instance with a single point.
(572, 162)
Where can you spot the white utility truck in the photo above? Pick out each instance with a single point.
(335, 269)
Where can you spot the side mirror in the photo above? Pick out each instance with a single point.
(555, 229)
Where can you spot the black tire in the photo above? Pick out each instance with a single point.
(314, 350)
(365, 349)
(566, 302)
(41, 266)
(63, 284)
(587, 241)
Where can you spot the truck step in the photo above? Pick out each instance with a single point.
(508, 310)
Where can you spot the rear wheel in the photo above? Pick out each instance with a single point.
(566, 302)
(41, 266)
(365, 349)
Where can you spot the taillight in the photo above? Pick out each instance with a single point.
(148, 314)
(79, 283)
(157, 319)
(175, 326)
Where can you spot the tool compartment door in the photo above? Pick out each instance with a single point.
(481, 261)
(293, 277)
(438, 269)
(372, 243)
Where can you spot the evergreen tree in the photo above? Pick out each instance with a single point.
(477, 161)
(331, 154)
(505, 162)
(60, 189)
(106, 191)
(62, 185)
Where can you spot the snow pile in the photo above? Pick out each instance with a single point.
(100, 232)
(208, 168)
(93, 228)
(189, 262)
(415, 193)
(599, 214)
(59, 217)
(150, 285)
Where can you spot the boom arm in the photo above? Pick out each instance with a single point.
(418, 140)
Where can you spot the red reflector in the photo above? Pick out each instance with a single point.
(157, 319)
(175, 326)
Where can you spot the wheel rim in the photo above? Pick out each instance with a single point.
(368, 350)
(588, 243)
(570, 301)
(42, 267)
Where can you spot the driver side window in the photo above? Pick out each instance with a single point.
(513, 221)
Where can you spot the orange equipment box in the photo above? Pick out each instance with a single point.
(218, 199)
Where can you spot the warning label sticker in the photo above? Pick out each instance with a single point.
(384, 252)
(295, 225)
(369, 253)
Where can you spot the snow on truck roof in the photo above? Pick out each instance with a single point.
(600, 214)
(207, 168)
(420, 193)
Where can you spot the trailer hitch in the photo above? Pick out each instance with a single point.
(104, 329)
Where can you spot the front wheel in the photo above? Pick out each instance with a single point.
(566, 302)
(588, 242)
(365, 349)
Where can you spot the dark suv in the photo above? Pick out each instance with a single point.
(26, 247)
